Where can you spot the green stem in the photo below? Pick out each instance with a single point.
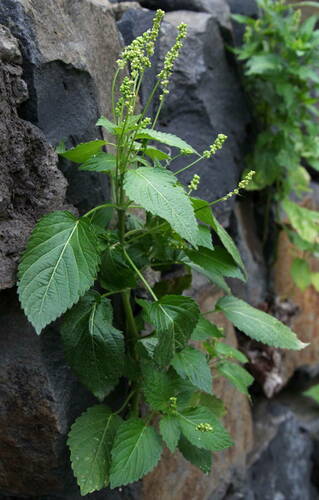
(189, 166)
(140, 275)
(108, 294)
(129, 397)
(105, 205)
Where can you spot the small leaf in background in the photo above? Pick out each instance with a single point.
(174, 317)
(90, 441)
(301, 273)
(213, 403)
(263, 63)
(313, 393)
(136, 451)
(99, 162)
(83, 151)
(215, 438)
(107, 124)
(156, 190)
(228, 351)
(61, 250)
(315, 280)
(93, 347)
(303, 220)
(236, 374)
(192, 365)
(196, 456)
(205, 329)
(258, 325)
(170, 431)
(173, 286)
(164, 138)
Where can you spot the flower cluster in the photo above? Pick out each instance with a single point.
(173, 403)
(217, 144)
(242, 185)
(170, 59)
(204, 427)
(193, 185)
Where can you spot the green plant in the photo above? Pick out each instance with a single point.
(313, 393)
(150, 359)
(280, 55)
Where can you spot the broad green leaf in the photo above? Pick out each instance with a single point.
(58, 266)
(101, 218)
(136, 451)
(228, 351)
(196, 456)
(174, 285)
(263, 63)
(303, 220)
(204, 213)
(236, 374)
(204, 238)
(170, 431)
(107, 124)
(156, 189)
(149, 344)
(215, 439)
(116, 274)
(156, 154)
(93, 347)
(301, 273)
(313, 393)
(192, 365)
(174, 317)
(315, 280)
(90, 441)
(164, 138)
(82, 152)
(158, 388)
(205, 330)
(100, 162)
(213, 403)
(258, 325)
(217, 260)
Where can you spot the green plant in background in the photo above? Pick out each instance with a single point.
(73, 265)
(280, 55)
(313, 393)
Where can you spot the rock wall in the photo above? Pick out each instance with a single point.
(56, 65)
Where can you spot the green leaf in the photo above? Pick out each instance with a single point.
(174, 317)
(243, 19)
(156, 189)
(313, 393)
(100, 162)
(236, 374)
(107, 124)
(214, 440)
(213, 403)
(82, 152)
(205, 330)
(192, 365)
(115, 272)
(175, 285)
(59, 265)
(136, 451)
(170, 431)
(196, 456)
(204, 238)
(157, 387)
(303, 220)
(164, 138)
(217, 260)
(301, 273)
(315, 280)
(93, 347)
(263, 63)
(228, 351)
(204, 213)
(90, 441)
(156, 154)
(258, 325)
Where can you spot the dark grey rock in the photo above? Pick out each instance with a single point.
(30, 182)
(69, 52)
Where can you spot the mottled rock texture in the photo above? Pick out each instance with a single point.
(30, 182)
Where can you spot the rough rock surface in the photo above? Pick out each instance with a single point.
(205, 99)
(69, 51)
(30, 182)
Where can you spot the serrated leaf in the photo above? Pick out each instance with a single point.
(82, 152)
(157, 387)
(196, 456)
(205, 329)
(174, 317)
(99, 162)
(301, 273)
(228, 351)
(204, 238)
(59, 265)
(214, 440)
(164, 138)
(258, 325)
(90, 441)
(93, 347)
(313, 393)
(236, 374)
(192, 365)
(213, 403)
(107, 124)
(303, 220)
(156, 154)
(156, 190)
(136, 451)
(170, 431)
